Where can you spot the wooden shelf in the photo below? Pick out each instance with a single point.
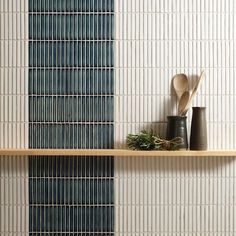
(114, 152)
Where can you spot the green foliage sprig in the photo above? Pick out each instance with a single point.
(143, 141)
(149, 141)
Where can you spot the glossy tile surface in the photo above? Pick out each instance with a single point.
(155, 40)
(71, 105)
(71, 6)
(71, 75)
(73, 194)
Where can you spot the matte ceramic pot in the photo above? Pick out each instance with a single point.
(198, 136)
(176, 127)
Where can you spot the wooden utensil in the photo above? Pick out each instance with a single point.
(180, 84)
(183, 102)
(202, 76)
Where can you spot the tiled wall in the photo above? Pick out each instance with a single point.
(58, 92)
(84, 74)
(14, 35)
(154, 41)
(175, 196)
(71, 196)
(158, 39)
(14, 117)
(71, 80)
(71, 75)
(14, 196)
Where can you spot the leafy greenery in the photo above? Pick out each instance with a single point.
(149, 141)
(142, 141)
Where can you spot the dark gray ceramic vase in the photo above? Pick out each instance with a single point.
(176, 127)
(198, 136)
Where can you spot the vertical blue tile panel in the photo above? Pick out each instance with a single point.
(71, 27)
(71, 105)
(71, 6)
(71, 194)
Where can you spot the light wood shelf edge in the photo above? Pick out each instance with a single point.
(114, 152)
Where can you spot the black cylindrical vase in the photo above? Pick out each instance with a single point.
(176, 127)
(198, 136)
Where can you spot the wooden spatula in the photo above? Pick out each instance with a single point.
(185, 110)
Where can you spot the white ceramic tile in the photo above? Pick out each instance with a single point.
(13, 201)
(14, 77)
(198, 204)
(13, 119)
(168, 45)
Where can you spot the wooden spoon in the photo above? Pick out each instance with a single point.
(202, 76)
(180, 84)
(183, 102)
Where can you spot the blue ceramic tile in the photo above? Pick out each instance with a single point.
(69, 234)
(71, 135)
(71, 54)
(69, 191)
(71, 59)
(77, 181)
(71, 27)
(71, 109)
(62, 219)
(71, 5)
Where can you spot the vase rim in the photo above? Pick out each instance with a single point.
(176, 116)
(198, 107)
